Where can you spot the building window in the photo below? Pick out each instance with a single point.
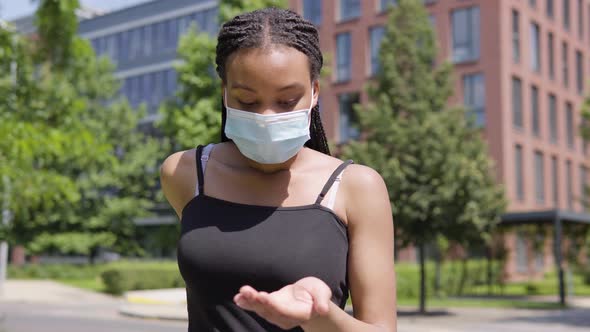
(349, 9)
(517, 102)
(375, 36)
(171, 82)
(583, 188)
(432, 20)
(553, 118)
(535, 111)
(475, 97)
(312, 11)
(568, 179)
(566, 14)
(147, 43)
(585, 142)
(533, 3)
(569, 120)
(551, 55)
(466, 34)
(539, 177)
(348, 120)
(579, 72)
(535, 48)
(172, 34)
(580, 19)
(515, 36)
(134, 86)
(522, 254)
(554, 179)
(384, 4)
(183, 24)
(159, 31)
(519, 173)
(549, 8)
(343, 54)
(565, 64)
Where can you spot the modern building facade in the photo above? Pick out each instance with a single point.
(521, 66)
(142, 41)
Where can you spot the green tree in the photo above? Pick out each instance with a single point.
(431, 157)
(80, 168)
(56, 22)
(194, 116)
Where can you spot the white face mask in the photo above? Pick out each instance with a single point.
(271, 138)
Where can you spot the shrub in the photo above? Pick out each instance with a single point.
(121, 279)
(532, 289)
(586, 276)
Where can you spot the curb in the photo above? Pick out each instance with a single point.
(157, 312)
(147, 300)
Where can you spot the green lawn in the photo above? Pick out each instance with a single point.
(93, 284)
(482, 303)
(546, 286)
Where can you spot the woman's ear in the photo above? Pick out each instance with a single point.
(316, 92)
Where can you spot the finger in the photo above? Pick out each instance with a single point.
(248, 291)
(250, 299)
(321, 298)
(264, 298)
(245, 304)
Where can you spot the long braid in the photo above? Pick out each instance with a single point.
(273, 26)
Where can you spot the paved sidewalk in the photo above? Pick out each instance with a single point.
(48, 291)
(170, 305)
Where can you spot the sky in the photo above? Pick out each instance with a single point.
(11, 9)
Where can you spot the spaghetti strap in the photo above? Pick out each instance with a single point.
(200, 177)
(331, 180)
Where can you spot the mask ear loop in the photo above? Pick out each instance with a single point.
(310, 109)
(225, 97)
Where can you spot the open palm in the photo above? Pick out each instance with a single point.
(289, 306)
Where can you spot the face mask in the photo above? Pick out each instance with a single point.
(268, 139)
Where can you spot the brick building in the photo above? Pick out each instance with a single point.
(520, 65)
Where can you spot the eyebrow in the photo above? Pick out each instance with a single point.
(245, 87)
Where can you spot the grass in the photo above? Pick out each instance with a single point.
(546, 286)
(468, 302)
(81, 276)
(482, 303)
(92, 284)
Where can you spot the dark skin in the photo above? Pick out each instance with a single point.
(277, 79)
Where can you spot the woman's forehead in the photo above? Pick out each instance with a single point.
(269, 66)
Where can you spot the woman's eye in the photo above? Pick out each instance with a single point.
(247, 104)
(291, 102)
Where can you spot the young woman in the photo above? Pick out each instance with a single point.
(275, 231)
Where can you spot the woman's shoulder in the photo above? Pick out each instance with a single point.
(362, 180)
(355, 176)
(178, 178)
(177, 163)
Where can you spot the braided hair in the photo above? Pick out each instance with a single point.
(264, 27)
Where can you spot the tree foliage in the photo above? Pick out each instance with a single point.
(432, 159)
(79, 170)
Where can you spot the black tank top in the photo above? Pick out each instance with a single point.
(225, 245)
